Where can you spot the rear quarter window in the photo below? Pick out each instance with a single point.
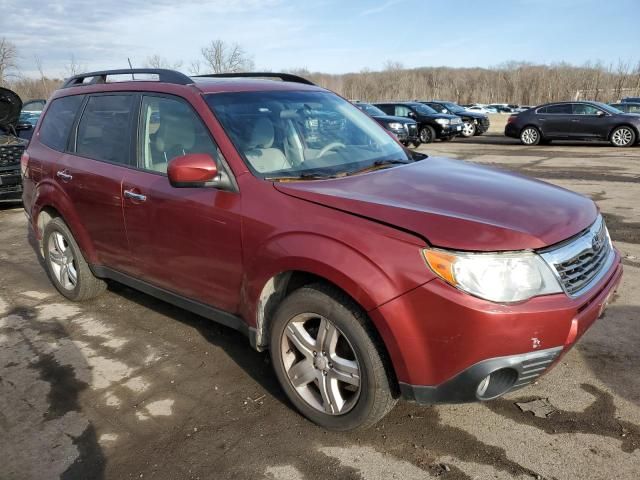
(58, 121)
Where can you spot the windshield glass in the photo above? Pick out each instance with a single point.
(423, 109)
(370, 109)
(288, 133)
(452, 107)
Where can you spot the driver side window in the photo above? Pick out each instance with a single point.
(402, 111)
(169, 128)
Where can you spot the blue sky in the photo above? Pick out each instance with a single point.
(333, 36)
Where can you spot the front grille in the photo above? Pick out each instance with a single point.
(580, 261)
(10, 155)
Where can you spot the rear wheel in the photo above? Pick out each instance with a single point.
(327, 359)
(66, 267)
(623, 137)
(468, 129)
(427, 134)
(530, 136)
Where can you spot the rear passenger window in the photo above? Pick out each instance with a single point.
(402, 111)
(104, 131)
(58, 121)
(170, 128)
(564, 109)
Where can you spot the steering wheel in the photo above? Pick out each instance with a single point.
(331, 146)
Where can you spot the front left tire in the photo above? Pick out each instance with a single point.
(328, 359)
(469, 129)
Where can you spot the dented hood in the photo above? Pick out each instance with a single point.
(457, 205)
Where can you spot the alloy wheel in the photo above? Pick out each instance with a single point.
(321, 364)
(530, 136)
(468, 129)
(425, 135)
(622, 137)
(62, 261)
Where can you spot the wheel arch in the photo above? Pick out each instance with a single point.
(630, 125)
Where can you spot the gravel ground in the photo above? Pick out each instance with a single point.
(127, 386)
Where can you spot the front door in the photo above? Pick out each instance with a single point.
(590, 121)
(186, 240)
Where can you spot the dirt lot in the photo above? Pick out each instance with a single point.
(127, 386)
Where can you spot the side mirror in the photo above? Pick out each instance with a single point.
(601, 113)
(411, 114)
(194, 170)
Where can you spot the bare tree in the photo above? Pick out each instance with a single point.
(156, 61)
(74, 67)
(222, 57)
(8, 56)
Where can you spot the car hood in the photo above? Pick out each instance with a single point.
(440, 115)
(10, 106)
(457, 205)
(391, 118)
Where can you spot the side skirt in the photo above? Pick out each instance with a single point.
(219, 316)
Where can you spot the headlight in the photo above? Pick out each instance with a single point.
(498, 277)
(443, 121)
(396, 126)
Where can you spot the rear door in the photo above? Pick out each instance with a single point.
(556, 121)
(91, 174)
(186, 240)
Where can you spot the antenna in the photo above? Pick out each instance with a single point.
(131, 67)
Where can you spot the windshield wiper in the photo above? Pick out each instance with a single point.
(377, 165)
(302, 176)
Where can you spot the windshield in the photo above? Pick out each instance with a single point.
(297, 134)
(423, 109)
(452, 107)
(370, 109)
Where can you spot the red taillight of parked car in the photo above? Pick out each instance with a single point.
(24, 161)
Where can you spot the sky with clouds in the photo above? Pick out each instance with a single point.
(333, 36)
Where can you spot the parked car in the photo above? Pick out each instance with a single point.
(369, 271)
(574, 121)
(627, 107)
(481, 109)
(502, 107)
(405, 129)
(474, 123)
(11, 146)
(431, 124)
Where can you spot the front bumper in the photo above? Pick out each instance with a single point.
(450, 130)
(444, 342)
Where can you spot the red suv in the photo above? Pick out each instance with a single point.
(279, 209)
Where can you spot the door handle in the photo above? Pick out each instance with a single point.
(135, 196)
(64, 175)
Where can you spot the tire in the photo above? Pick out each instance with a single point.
(623, 137)
(530, 136)
(416, 144)
(427, 134)
(352, 352)
(469, 129)
(66, 267)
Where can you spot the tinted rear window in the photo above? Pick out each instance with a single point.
(564, 109)
(58, 121)
(104, 131)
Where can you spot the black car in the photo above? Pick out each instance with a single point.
(631, 100)
(431, 124)
(574, 121)
(404, 128)
(11, 146)
(627, 107)
(474, 123)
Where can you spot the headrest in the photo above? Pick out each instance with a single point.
(263, 134)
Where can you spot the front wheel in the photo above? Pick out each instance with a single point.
(427, 134)
(326, 357)
(468, 129)
(530, 136)
(623, 137)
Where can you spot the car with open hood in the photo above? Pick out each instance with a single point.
(277, 208)
(11, 145)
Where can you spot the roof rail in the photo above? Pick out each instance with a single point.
(285, 77)
(164, 75)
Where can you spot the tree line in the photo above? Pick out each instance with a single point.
(513, 82)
